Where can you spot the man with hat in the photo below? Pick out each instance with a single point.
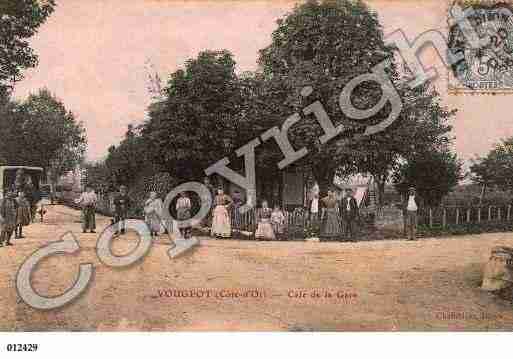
(121, 207)
(349, 213)
(410, 208)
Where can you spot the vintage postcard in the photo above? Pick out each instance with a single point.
(277, 166)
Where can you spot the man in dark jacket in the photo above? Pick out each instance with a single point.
(8, 213)
(349, 213)
(121, 207)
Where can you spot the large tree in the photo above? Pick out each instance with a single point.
(41, 132)
(496, 168)
(324, 45)
(423, 127)
(130, 159)
(19, 21)
(433, 174)
(196, 124)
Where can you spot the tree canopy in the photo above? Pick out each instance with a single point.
(129, 159)
(40, 131)
(19, 21)
(208, 110)
(310, 47)
(196, 124)
(496, 168)
(433, 174)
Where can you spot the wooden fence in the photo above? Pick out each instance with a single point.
(456, 215)
(298, 220)
(295, 222)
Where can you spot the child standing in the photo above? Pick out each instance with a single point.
(278, 221)
(264, 229)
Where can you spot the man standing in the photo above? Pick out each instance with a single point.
(121, 207)
(8, 212)
(32, 195)
(88, 201)
(23, 216)
(313, 211)
(410, 209)
(349, 213)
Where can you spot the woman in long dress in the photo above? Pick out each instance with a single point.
(265, 229)
(331, 224)
(153, 214)
(221, 224)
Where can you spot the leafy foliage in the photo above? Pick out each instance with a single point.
(496, 169)
(129, 159)
(208, 110)
(196, 124)
(41, 132)
(19, 21)
(310, 47)
(433, 174)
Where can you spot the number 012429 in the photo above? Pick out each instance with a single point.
(22, 347)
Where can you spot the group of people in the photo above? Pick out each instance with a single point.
(271, 223)
(335, 217)
(17, 209)
(218, 217)
(15, 214)
(88, 201)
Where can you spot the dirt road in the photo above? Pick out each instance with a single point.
(430, 284)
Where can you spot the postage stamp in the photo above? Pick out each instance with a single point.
(487, 68)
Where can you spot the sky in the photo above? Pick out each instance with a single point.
(96, 56)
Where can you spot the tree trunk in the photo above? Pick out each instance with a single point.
(481, 197)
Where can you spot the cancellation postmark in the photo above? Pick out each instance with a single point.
(487, 68)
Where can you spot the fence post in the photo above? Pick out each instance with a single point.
(468, 215)
(457, 216)
(430, 217)
(499, 213)
(509, 212)
(489, 213)
(479, 215)
(444, 218)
